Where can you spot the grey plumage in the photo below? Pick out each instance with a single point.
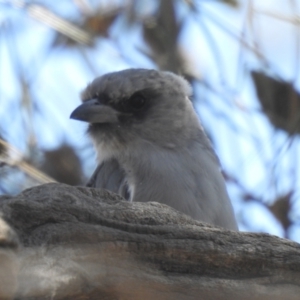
(151, 146)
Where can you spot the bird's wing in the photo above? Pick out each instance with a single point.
(109, 175)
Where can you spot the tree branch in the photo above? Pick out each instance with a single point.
(83, 243)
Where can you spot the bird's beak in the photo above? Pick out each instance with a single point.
(94, 112)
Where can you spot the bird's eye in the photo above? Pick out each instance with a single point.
(137, 102)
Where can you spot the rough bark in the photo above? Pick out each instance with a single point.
(83, 243)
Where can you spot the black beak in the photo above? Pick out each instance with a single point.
(94, 112)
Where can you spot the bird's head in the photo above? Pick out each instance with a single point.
(137, 105)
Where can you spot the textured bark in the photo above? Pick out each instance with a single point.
(9, 245)
(83, 243)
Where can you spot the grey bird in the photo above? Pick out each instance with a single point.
(151, 145)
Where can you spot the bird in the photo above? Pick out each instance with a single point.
(151, 146)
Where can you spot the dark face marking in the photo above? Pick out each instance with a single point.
(134, 108)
